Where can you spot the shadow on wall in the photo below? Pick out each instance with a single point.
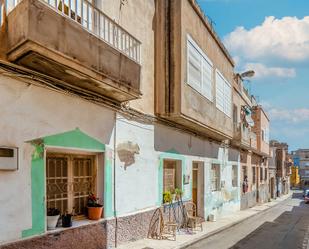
(273, 234)
(167, 139)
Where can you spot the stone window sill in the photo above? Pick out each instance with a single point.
(75, 224)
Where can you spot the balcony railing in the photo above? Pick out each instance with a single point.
(241, 132)
(93, 20)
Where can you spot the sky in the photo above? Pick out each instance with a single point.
(272, 38)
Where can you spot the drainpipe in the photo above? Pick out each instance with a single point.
(114, 161)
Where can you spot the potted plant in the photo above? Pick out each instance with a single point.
(173, 195)
(179, 193)
(53, 215)
(95, 209)
(167, 197)
(67, 219)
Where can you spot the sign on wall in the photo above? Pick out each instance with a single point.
(8, 158)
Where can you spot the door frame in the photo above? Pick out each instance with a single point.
(200, 206)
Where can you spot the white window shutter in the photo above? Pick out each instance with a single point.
(199, 70)
(207, 80)
(219, 92)
(223, 94)
(227, 99)
(194, 68)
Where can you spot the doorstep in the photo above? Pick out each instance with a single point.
(185, 239)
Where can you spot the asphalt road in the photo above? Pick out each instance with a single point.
(284, 226)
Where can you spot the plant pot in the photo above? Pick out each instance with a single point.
(95, 213)
(52, 221)
(66, 220)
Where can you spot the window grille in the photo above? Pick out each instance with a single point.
(215, 179)
(234, 176)
(69, 181)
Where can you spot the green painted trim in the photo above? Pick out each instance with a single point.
(173, 155)
(37, 193)
(74, 139)
(108, 184)
(71, 139)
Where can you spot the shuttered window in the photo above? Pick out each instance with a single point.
(223, 94)
(200, 70)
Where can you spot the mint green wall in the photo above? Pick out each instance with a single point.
(37, 193)
(74, 139)
(108, 183)
(173, 155)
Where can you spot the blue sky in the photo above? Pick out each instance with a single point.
(272, 38)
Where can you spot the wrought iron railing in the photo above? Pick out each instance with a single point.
(93, 20)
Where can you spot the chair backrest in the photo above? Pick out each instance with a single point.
(190, 208)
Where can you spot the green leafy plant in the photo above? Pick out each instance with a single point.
(93, 201)
(178, 193)
(167, 197)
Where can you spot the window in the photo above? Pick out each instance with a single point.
(265, 135)
(265, 175)
(199, 70)
(215, 177)
(223, 94)
(244, 172)
(234, 176)
(253, 174)
(261, 174)
(69, 181)
(171, 175)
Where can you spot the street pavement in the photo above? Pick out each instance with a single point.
(284, 226)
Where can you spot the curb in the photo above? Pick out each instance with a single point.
(207, 235)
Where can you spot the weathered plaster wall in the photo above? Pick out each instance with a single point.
(136, 184)
(194, 104)
(29, 112)
(227, 200)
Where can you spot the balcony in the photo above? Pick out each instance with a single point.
(75, 42)
(253, 141)
(241, 135)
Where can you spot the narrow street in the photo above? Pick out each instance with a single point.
(283, 226)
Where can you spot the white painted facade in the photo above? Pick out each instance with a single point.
(29, 112)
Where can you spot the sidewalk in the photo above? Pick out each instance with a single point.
(209, 228)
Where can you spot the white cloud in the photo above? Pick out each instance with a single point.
(285, 39)
(289, 115)
(262, 71)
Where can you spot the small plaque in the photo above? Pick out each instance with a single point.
(8, 158)
(186, 179)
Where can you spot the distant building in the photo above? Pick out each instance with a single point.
(301, 160)
(283, 167)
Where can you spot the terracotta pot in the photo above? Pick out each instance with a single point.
(95, 213)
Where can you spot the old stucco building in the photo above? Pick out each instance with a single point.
(113, 98)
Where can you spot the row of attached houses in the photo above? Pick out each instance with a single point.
(125, 99)
(280, 167)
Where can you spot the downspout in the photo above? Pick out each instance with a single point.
(114, 161)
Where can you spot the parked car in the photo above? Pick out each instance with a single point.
(306, 196)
